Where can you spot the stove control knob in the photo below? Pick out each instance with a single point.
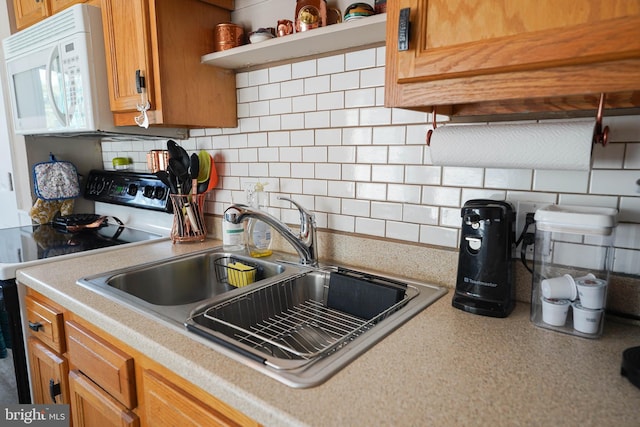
(132, 190)
(159, 193)
(148, 191)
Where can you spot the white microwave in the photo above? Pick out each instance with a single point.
(57, 75)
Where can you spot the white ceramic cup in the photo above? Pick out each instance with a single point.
(586, 320)
(554, 311)
(592, 292)
(562, 287)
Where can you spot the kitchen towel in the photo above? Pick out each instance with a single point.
(564, 145)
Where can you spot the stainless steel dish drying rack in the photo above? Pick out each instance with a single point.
(286, 325)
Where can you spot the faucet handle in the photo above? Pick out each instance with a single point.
(306, 217)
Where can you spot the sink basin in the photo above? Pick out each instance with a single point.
(298, 328)
(171, 287)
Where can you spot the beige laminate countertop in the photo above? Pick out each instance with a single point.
(443, 367)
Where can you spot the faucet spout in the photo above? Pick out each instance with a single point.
(304, 243)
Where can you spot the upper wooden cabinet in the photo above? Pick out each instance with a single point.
(162, 41)
(28, 12)
(513, 56)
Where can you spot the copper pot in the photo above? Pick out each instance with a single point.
(157, 160)
(228, 35)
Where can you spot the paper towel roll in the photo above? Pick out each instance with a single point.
(557, 145)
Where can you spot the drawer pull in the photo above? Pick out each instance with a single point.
(35, 326)
(54, 390)
(404, 27)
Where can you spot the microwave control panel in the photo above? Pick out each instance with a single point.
(133, 189)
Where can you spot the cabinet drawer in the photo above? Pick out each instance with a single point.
(46, 323)
(107, 366)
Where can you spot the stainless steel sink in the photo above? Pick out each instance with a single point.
(296, 331)
(288, 324)
(170, 288)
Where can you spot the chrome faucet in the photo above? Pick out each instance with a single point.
(304, 243)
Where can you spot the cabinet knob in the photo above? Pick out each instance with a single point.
(404, 27)
(54, 390)
(35, 326)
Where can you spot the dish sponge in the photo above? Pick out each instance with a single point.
(239, 274)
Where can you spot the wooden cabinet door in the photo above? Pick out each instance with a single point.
(127, 41)
(58, 5)
(28, 12)
(93, 407)
(49, 373)
(165, 404)
(463, 51)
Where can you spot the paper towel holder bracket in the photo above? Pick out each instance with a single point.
(435, 125)
(600, 134)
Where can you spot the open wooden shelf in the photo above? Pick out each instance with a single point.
(346, 35)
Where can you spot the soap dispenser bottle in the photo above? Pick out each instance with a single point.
(258, 233)
(232, 233)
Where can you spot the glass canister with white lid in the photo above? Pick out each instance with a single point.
(573, 258)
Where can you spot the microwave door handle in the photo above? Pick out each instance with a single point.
(59, 114)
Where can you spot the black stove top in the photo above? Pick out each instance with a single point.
(38, 242)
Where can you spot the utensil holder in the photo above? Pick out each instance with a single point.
(188, 218)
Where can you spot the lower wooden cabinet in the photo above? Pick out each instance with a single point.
(166, 404)
(107, 382)
(49, 372)
(92, 406)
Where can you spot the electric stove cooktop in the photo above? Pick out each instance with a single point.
(28, 245)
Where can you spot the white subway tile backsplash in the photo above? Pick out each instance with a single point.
(387, 173)
(439, 236)
(341, 118)
(319, 84)
(258, 77)
(610, 156)
(341, 189)
(375, 116)
(372, 77)
(360, 59)
(303, 69)
(280, 73)
(357, 208)
(292, 88)
(462, 176)
(371, 154)
(341, 154)
(371, 191)
(561, 181)
(330, 101)
(329, 136)
(318, 131)
(517, 179)
(614, 182)
(389, 135)
(356, 172)
(341, 223)
(441, 196)
(386, 210)
(632, 156)
(403, 231)
(420, 214)
(360, 98)
(405, 154)
(629, 209)
(345, 81)
(331, 65)
(317, 119)
(314, 154)
(403, 193)
(374, 227)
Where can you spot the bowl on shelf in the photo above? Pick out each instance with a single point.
(262, 34)
(358, 11)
